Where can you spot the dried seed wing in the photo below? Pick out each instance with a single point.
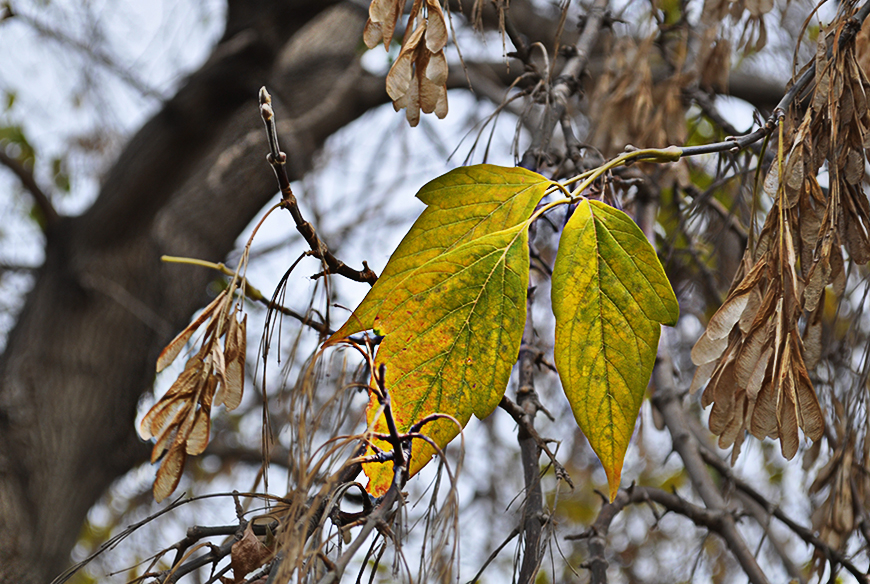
(401, 73)
(161, 418)
(373, 34)
(436, 29)
(812, 339)
(751, 351)
(235, 358)
(722, 323)
(429, 95)
(197, 439)
(724, 393)
(384, 13)
(756, 378)
(441, 104)
(412, 109)
(170, 352)
(707, 350)
(160, 415)
(436, 68)
(736, 425)
(751, 310)
(787, 413)
(794, 170)
(702, 375)
(817, 279)
(854, 167)
(738, 442)
(732, 309)
(169, 473)
(763, 424)
(810, 416)
(215, 362)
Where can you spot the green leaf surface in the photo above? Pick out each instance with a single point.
(465, 204)
(453, 331)
(610, 295)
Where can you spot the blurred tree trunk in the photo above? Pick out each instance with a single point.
(83, 350)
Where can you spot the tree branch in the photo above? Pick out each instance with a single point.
(565, 85)
(42, 200)
(804, 533)
(714, 521)
(277, 160)
(530, 451)
(665, 400)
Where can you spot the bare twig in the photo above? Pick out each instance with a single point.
(520, 417)
(566, 85)
(530, 451)
(714, 521)
(278, 160)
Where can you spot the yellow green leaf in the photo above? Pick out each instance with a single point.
(453, 330)
(464, 204)
(609, 295)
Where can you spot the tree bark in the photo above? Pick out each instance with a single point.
(83, 350)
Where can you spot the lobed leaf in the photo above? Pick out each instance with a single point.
(609, 296)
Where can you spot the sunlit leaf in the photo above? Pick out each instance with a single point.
(609, 295)
(462, 205)
(453, 331)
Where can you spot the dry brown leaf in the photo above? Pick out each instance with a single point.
(248, 554)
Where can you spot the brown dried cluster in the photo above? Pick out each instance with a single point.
(418, 78)
(754, 352)
(629, 106)
(753, 35)
(181, 420)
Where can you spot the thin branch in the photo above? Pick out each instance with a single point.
(377, 517)
(252, 292)
(666, 401)
(494, 555)
(520, 417)
(714, 521)
(42, 200)
(278, 160)
(530, 451)
(566, 84)
(802, 532)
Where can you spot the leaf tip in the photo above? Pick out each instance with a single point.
(614, 476)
